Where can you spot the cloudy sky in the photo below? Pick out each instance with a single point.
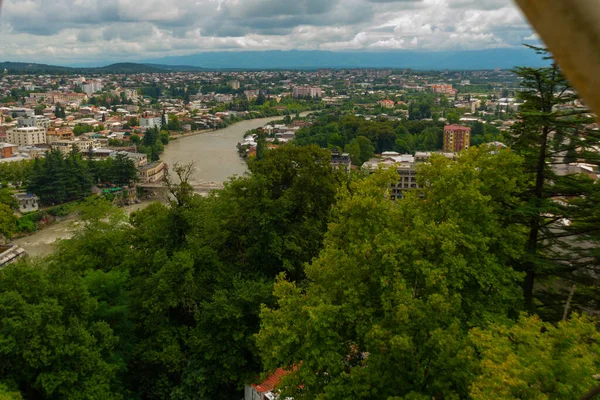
(71, 31)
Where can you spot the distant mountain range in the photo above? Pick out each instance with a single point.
(118, 68)
(302, 60)
(452, 60)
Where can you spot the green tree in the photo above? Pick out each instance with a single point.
(261, 147)
(360, 150)
(59, 111)
(8, 221)
(135, 139)
(260, 99)
(164, 137)
(431, 138)
(453, 117)
(558, 255)
(7, 198)
(123, 171)
(174, 124)
(387, 305)
(51, 345)
(7, 394)
(534, 360)
(57, 179)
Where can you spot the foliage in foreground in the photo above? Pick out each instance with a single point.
(296, 266)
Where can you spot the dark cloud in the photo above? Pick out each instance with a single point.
(274, 8)
(479, 4)
(47, 17)
(128, 32)
(279, 20)
(127, 27)
(418, 2)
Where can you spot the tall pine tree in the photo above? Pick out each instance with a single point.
(560, 207)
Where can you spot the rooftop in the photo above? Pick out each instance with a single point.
(25, 196)
(273, 380)
(10, 253)
(456, 127)
(29, 129)
(151, 165)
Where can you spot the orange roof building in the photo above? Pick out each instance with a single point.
(264, 390)
(456, 138)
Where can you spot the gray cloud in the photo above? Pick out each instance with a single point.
(479, 4)
(82, 30)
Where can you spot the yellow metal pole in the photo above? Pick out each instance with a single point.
(571, 31)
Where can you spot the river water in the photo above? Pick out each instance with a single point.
(215, 158)
(214, 154)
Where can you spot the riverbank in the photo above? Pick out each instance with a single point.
(41, 243)
(200, 132)
(184, 135)
(214, 154)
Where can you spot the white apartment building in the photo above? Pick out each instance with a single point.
(91, 87)
(35, 121)
(151, 122)
(307, 91)
(27, 136)
(131, 94)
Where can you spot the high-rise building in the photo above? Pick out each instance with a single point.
(456, 138)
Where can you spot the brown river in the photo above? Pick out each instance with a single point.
(215, 158)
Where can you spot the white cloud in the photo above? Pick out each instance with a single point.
(76, 31)
(534, 37)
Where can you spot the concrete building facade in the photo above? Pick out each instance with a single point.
(27, 136)
(456, 138)
(307, 91)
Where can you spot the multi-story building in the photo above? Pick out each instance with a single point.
(223, 98)
(67, 98)
(151, 173)
(131, 94)
(54, 135)
(443, 88)
(35, 98)
(251, 94)
(35, 121)
(235, 85)
(387, 103)
(456, 138)
(139, 159)
(21, 112)
(27, 202)
(341, 161)
(406, 167)
(152, 121)
(307, 91)
(82, 146)
(91, 87)
(27, 136)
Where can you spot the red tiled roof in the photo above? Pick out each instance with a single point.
(269, 384)
(456, 127)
